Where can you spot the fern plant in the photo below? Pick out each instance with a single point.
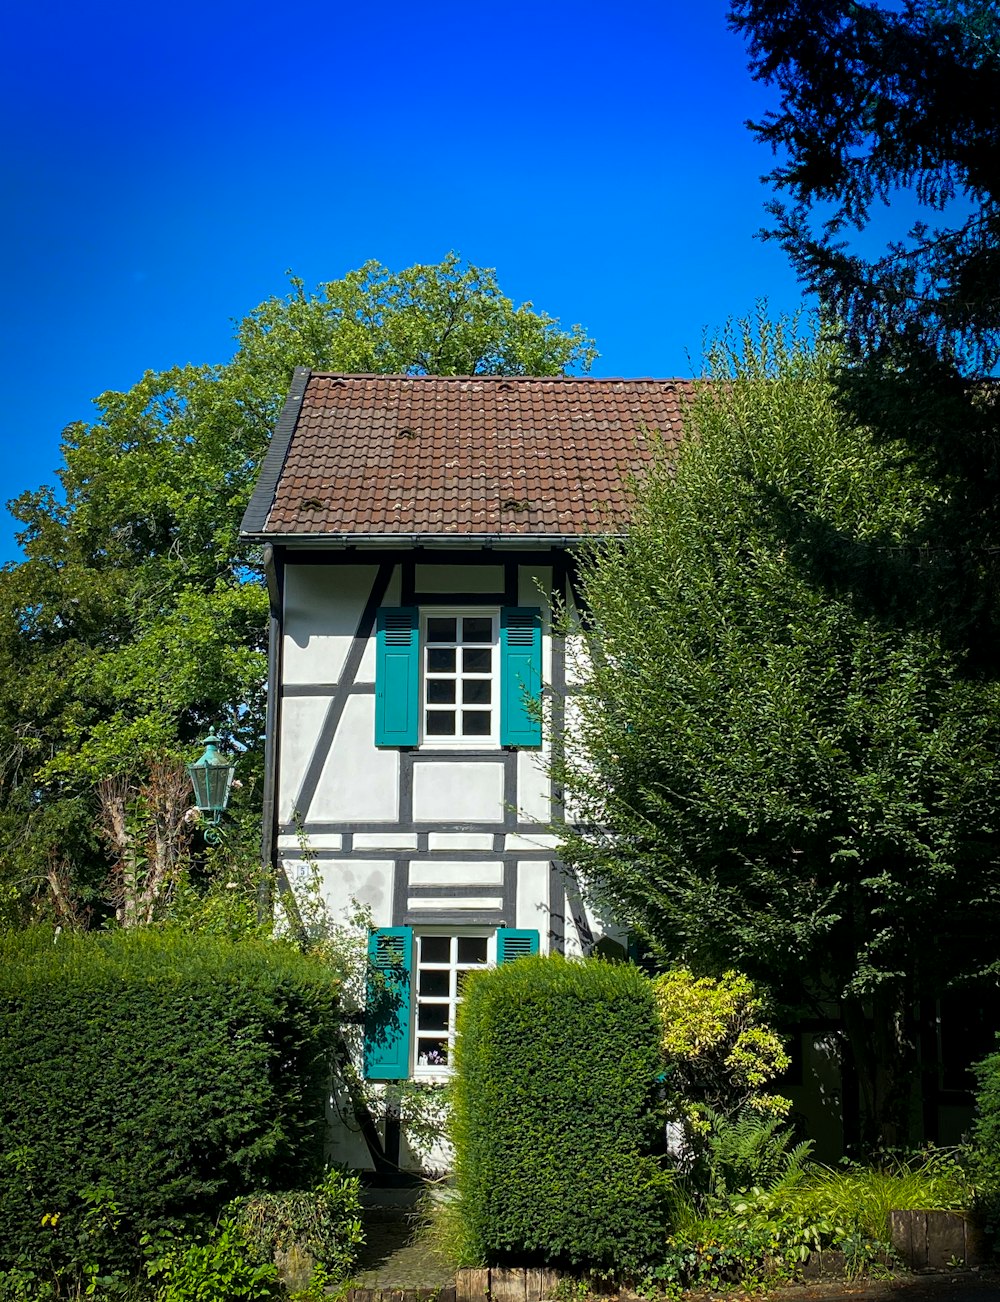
(748, 1151)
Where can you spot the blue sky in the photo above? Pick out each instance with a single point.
(164, 166)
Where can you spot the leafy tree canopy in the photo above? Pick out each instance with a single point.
(136, 620)
(888, 104)
(795, 770)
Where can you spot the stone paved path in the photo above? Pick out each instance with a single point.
(400, 1252)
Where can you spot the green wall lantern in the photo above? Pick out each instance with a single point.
(212, 777)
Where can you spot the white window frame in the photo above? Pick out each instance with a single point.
(442, 1071)
(479, 741)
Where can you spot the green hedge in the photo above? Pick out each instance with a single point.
(555, 1121)
(147, 1079)
(986, 1142)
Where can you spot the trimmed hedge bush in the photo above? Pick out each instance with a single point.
(147, 1079)
(986, 1142)
(555, 1117)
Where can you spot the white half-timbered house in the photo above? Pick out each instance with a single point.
(417, 533)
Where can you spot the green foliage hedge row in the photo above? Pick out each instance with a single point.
(986, 1140)
(154, 1076)
(555, 1117)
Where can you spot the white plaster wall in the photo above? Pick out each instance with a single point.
(434, 1155)
(534, 583)
(599, 924)
(445, 841)
(342, 881)
(323, 604)
(577, 660)
(441, 872)
(458, 578)
(385, 841)
(572, 946)
(345, 1144)
(532, 898)
(359, 782)
(457, 904)
(572, 719)
(530, 841)
(457, 792)
(533, 803)
(301, 720)
(366, 670)
(314, 840)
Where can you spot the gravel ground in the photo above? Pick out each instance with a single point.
(961, 1286)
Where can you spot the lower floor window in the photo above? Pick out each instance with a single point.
(418, 983)
(442, 963)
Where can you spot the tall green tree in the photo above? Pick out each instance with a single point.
(888, 121)
(888, 107)
(776, 760)
(136, 620)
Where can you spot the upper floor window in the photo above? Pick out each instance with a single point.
(459, 672)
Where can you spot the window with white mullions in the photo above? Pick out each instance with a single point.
(459, 677)
(442, 962)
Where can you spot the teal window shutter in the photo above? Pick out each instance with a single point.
(513, 944)
(397, 676)
(387, 1005)
(520, 675)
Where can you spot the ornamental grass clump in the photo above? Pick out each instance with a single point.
(556, 1123)
(857, 1200)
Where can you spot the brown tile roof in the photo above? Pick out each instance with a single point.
(392, 455)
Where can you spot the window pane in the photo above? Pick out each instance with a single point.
(477, 628)
(472, 949)
(441, 629)
(475, 723)
(441, 723)
(476, 691)
(476, 660)
(435, 949)
(440, 660)
(432, 1017)
(441, 691)
(432, 1053)
(434, 983)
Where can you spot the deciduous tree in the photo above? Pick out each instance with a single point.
(136, 620)
(777, 762)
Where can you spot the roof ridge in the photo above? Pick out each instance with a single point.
(509, 379)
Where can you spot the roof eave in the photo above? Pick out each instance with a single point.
(335, 541)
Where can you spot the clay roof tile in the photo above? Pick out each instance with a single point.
(496, 455)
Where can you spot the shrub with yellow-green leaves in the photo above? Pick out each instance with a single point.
(720, 1051)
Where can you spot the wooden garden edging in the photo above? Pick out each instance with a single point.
(401, 1294)
(936, 1240)
(496, 1284)
(506, 1284)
